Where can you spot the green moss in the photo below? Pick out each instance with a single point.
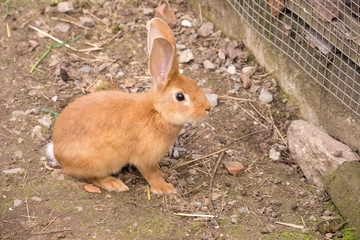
(288, 235)
(348, 233)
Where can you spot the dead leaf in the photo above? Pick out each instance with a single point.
(32, 45)
(277, 6)
(92, 189)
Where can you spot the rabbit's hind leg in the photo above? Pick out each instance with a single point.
(110, 184)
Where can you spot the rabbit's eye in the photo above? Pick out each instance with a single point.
(180, 97)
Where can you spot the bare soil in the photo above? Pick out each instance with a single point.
(54, 206)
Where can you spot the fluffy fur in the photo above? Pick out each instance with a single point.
(98, 134)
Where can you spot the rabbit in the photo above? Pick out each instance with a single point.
(99, 133)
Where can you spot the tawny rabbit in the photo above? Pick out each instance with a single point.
(98, 134)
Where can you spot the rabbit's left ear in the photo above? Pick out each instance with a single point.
(162, 51)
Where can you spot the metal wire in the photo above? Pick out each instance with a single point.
(322, 37)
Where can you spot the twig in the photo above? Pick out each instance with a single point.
(262, 183)
(197, 159)
(265, 118)
(55, 231)
(148, 192)
(8, 30)
(48, 225)
(264, 75)
(302, 219)
(200, 14)
(27, 210)
(290, 225)
(237, 99)
(276, 129)
(247, 112)
(69, 21)
(53, 38)
(212, 181)
(193, 215)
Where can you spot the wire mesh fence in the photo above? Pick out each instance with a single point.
(321, 36)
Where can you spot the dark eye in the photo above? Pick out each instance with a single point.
(180, 97)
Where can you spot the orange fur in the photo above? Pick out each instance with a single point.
(98, 134)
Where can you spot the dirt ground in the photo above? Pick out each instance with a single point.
(36, 203)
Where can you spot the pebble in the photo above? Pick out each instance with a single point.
(176, 153)
(85, 69)
(195, 22)
(20, 140)
(120, 74)
(180, 46)
(243, 209)
(221, 55)
(37, 199)
(234, 167)
(232, 203)
(274, 155)
(148, 11)
(186, 56)
(104, 65)
(193, 36)
(231, 69)
(312, 218)
(206, 29)
(265, 96)
(17, 202)
(43, 158)
(248, 70)
(79, 208)
(234, 219)
(45, 121)
(192, 171)
(13, 171)
(209, 65)
(64, 7)
(186, 23)
(212, 98)
(245, 80)
(62, 27)
(196, 204)
(86, 22)
(18, 154)
(195, 156)
(37, 132)
(19, 114)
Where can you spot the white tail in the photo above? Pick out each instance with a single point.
(49, 150)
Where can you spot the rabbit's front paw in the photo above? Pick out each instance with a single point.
(110, 184)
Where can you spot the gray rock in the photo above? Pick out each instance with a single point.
(85, 69)
(148, 11)
(64, 7)
(248, 70)
(186, 23)
(192, 171)
(63, 27)
(274, 155)
(221, 55)
(233, 219)
(13, 171)
(17, 202)
(180, 46)
(243, 210)
(212, 98)
(186, 56)
(315, 151)
(231, 69)
(195, 156)
(196, 204)
(195, 22)
(20, 140)
(86, 22)
(193, 37)
(206, 29)
(36, 199)
(37, 132)
(45, 121)
(209, 65)
(265, 96)
(18, 154)
(176, 153)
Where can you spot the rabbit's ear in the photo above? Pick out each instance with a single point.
(162, 51)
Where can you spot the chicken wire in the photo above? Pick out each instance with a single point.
(322, 37)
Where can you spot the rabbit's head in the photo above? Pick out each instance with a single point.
(176, 97)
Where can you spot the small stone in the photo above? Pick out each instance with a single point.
(186, 56)
(104, 65)
(195, 22)
(221, 55)
(196, 156)
(129, 83)
(234, 167)
(206, 29)
(19, 114)
(231, 69)
(18, 154)
(148, 11)
(45, 121)
(234, 219)
(86, 22)
(79, 208)
(329, 235)
(193, 37)
(248, 70)
(192, 171)
(186, 23)
(264, 231)
(274, 155)
(17, 202)
(43, 158)
(209, 65)
(196, 204)
(62, 27)
(37, 132)
(245, 80)
(85, 69)
(312, 218)
(232, 203)
(180, 46)
(176, 153)
(64, 7)
(327, 213)
(339, 235)
(13, 171)
(20, 140)
(36, 199)
(243, 209)
(265, 96)
(120, 74)
(212, 98)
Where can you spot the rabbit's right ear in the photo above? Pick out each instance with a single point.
(162, 51)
